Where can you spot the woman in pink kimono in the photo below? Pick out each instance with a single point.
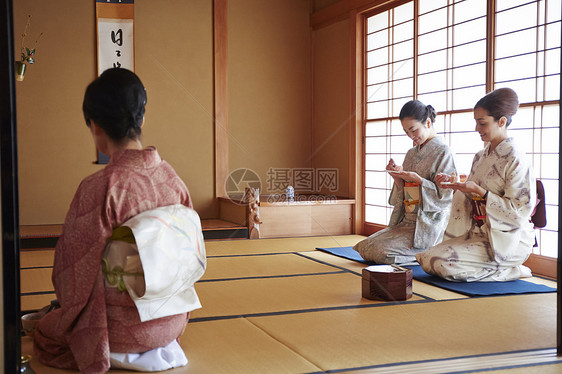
(93, 321)
(489, 234)
(421, 209)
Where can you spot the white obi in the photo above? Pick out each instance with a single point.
(159, 267)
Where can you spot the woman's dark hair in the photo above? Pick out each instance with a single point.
(417, 110)
(115, 101)
(502, 102)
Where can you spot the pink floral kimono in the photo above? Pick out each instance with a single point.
(94, 321)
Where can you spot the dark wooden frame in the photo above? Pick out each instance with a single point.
(9, 194)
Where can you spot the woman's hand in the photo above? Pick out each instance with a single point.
(393, 167)
(466, 187)
(442, 178)
(409, 176)
(401, 176)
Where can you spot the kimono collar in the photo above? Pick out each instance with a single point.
(419, 147)
(504, 145)
(136, 158)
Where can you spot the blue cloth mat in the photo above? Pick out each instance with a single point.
(466, 288)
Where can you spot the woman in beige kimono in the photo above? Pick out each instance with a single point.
(489, 234)
(421, 209)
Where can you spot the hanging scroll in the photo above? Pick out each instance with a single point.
(116, 45)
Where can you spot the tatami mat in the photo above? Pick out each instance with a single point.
(356, 338)
(237, 346)
(245, 247)
(275, 265)
(280, 306)
(280, 295)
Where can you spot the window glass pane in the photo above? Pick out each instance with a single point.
(553, 35)
(462, 142)
(549, 243)
(552, 88)
(465, 98)
(377, 57)
(403, 51)
(402, 69)
(375, 196)
(396, 127)
(433, 61)
(375, 128)
(377, 40)
(377, 75)
(550, 117)
(505, 4)
(373, 161)
(377, 109)
(432, 21)
(526, 89)
(375, 144)
(470, 31)
(550, 190)
(550, 140)
(463, 122)
(524, 138)
(436, 99)
(404, 12)
(516, 43)
(377, 22)
(469, 75)
(403, 88)
(376, 214)
(377, 92)
(553, 10)
(549, 166)
(552, 61)
(432, 82)
(400, 143)
(403, 32)
(469, 9)
(376, 179)
(469, 53)
(516, 18)
(516, 67)
(426, 6)
(551, 217)
(432, 41)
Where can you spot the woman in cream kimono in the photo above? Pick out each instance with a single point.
(489, 235)
(421, 209)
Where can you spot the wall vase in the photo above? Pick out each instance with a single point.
(20, 70)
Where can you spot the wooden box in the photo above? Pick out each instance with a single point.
(386, 282)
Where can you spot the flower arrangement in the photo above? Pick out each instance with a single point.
(27, 54)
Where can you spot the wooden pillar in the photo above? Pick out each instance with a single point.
(220, 24)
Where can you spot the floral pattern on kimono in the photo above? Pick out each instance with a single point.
(410, 233)
(92, 319)
(493, 251)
